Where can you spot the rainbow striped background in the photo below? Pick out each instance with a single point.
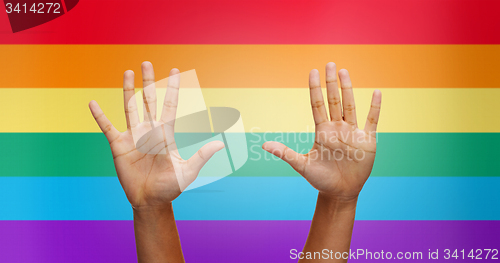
(436, 176)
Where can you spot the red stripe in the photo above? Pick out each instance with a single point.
(268, 22)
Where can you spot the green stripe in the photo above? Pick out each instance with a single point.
(398, 154)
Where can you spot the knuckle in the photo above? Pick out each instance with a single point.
(150, 98)
(349, 107)
(334, 101)
(201, 154)
(319, 123)
(317, 104)
(128, 88)
(170, 124)
(130, 108)
(372, 120)
(99, 116)
(352, 123)
(331, 80)
(107, 128)
(115, 140)
(169, 104)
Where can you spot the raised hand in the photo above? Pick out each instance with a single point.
(342, 156)
(147, 162)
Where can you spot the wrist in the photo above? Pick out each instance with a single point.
(337, 203)
(152, 212)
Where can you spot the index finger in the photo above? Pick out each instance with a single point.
(373, 114)
(317, 101)
(130, 103)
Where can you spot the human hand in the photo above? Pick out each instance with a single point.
(342, 156)
(153, 173)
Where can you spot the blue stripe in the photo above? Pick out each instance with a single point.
(253, 198)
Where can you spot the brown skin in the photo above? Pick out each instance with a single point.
(339, 162)
(152, 179)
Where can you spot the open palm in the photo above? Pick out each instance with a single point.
(148, 164)
(342, 156)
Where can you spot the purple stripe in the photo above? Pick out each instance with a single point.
(231, 241)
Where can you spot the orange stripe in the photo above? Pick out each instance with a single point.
(231, 66)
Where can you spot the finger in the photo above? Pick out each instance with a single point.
(149, 91)
(317, 102)
(171, 98)
(349, 107)
(129, 100)
(332, 91)
(373, 114)
(107, 128)
(295, 160)
(200, 158)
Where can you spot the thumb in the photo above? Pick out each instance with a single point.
(107, 128)
(295, 160)
(200, 158)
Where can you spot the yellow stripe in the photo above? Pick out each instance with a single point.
(262, 109)
(245, 66)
